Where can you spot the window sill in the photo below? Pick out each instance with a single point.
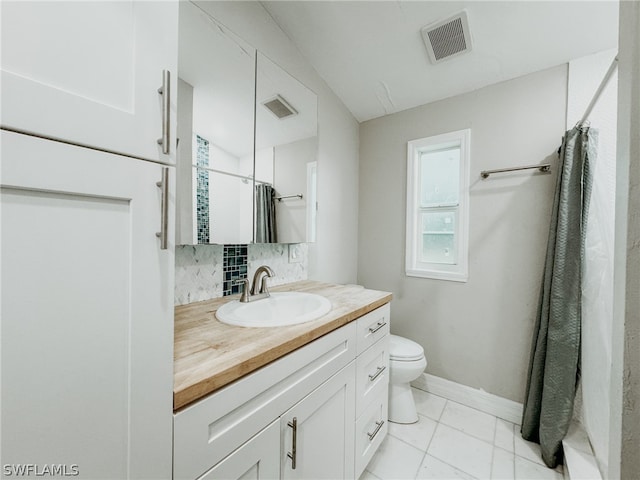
(438, 275)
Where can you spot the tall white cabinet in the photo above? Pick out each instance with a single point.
(89, 72)
(86, 323)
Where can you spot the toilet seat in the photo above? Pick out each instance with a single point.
(404, 350)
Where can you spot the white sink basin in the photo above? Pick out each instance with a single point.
(278, 310)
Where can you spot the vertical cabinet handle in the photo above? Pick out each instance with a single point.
(164, 208)
(292, 454)
(165, 91)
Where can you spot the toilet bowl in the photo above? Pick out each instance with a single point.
(406, 363)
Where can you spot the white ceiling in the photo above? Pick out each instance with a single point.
(372, 56)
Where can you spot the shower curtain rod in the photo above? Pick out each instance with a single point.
(603, 85)
(222, 172)
(546, 168)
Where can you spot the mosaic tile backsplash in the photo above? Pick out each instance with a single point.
(206, 271)
(202, 190)
(234, 266)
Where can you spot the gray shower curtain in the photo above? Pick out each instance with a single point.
(555, 352)
(265, 226)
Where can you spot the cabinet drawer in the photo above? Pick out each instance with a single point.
(371, 428)
(212, 428)
(372, 373)
(372, 327)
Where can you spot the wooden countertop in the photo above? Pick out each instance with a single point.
(209, 354)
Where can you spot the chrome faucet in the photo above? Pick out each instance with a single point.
(250, 293)
(262, 273)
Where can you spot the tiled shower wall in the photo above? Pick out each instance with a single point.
(202, 197)
(208, 271)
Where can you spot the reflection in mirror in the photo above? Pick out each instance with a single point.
(215, 129)
(286, 156)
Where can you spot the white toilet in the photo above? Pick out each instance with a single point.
(407, 362)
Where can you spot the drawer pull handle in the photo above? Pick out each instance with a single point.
(378, 326)
(373, 434)
(379, 371)
(292, 454)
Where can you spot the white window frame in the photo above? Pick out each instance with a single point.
(414, 267)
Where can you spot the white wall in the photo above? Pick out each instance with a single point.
(624, 461)
(291, 179)
(230, 198)
(264, 165)
(333, 257)
(476, 333)
(585, 75)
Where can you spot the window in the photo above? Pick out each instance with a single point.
(437, 206)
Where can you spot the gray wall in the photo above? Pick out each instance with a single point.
(476, 333)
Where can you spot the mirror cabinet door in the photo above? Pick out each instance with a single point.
(228, 191)
(286, 156)
(216, 90)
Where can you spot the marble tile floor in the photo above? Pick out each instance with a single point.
(453, 441)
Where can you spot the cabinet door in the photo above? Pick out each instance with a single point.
(89, 72)
(323, 426)
(258, 459)
(87, 312)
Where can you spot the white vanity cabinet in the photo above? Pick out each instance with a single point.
(317, 398)
(372, 384)
(321, 427)
(88, 73)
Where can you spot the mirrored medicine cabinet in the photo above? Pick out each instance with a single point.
(247, 148)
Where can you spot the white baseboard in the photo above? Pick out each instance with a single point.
(471, 397)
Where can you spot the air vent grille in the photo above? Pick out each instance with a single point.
(279, 107)
(447, 38)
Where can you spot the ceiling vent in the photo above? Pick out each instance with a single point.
(279, 107)
(447, 38)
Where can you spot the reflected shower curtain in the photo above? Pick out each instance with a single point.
(555, 352)
(265, 214)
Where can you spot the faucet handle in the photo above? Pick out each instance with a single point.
(244, 298)
(263, 284)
